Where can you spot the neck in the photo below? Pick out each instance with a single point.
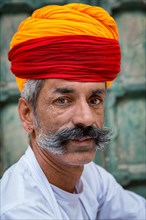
(58, 173)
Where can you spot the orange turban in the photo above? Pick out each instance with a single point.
(68, 20)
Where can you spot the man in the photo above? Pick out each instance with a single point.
(64, 58)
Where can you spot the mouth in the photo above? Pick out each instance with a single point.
(82, 141)
(81, 145)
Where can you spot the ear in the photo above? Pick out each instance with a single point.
(26, 115)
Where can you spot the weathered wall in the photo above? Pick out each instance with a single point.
(125, 104)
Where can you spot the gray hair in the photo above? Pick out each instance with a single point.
(31, 92)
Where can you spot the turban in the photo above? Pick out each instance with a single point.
(75, 42)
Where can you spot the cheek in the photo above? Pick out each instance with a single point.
(53, 118)
(100, 117)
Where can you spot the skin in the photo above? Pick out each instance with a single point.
(65, 104)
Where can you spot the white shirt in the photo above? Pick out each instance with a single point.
(26, 194)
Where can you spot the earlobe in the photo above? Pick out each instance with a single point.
(26, 114)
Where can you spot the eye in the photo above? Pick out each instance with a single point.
(95, 101)
(62, 101)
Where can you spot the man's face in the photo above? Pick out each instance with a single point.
(63, 105)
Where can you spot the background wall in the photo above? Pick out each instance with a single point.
(125, 107)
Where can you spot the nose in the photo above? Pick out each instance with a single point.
(83, 115)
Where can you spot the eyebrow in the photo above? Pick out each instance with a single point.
(69, 90)
(63, 90)
(98, 92)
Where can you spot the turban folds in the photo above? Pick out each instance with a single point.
(74, 42)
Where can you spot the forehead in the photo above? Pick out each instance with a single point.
(52, 85)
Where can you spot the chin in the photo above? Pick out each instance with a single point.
(79, 158)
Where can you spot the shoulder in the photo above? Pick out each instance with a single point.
(111, 196)
(19, 191)
(13, 185)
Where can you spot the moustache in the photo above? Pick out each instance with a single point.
(102, 136)
(57, 141)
